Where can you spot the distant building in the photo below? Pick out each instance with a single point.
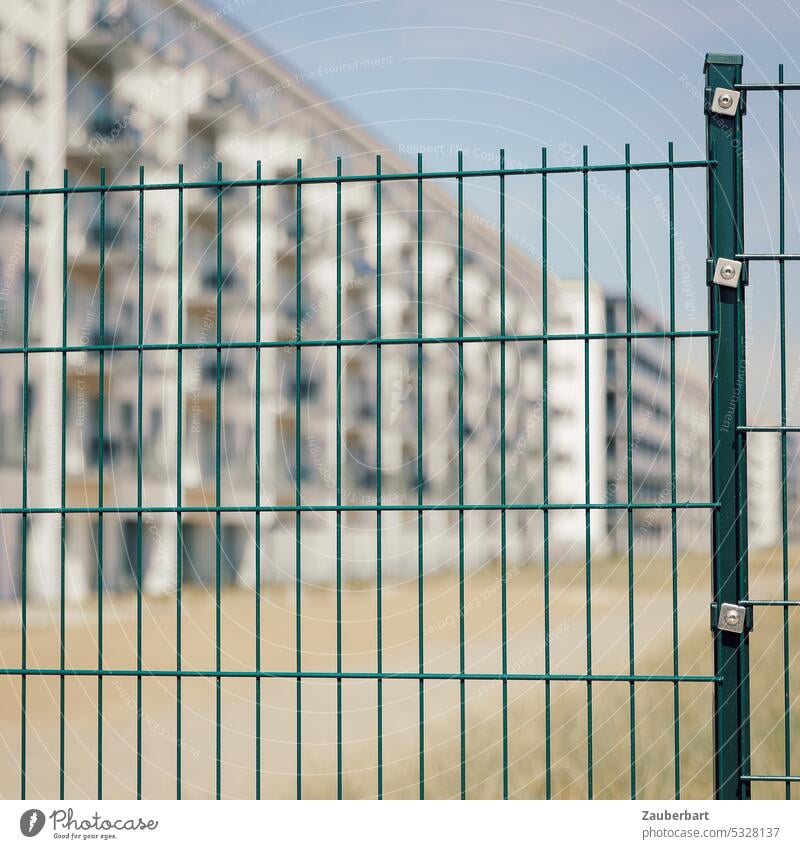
(567, 412)
(649, 438)
(764, 490)
(126, 84)
(650, 454)
(157, 84)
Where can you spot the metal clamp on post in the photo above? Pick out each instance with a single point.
(733, 618)
(727, 272)
(725, 101)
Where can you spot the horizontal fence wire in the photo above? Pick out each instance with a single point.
(400, 676)
(364, 508)
(349, 343)
(768, 428)
(778, 257)
(770, 603)
(297, 344)
(299, 180)
(767, 87)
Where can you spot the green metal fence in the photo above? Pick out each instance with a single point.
(734, 778)
(727, 503)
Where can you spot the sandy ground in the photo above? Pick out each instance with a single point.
(400, 716)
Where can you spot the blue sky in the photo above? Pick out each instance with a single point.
(479, 75)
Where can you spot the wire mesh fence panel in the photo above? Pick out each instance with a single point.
(349, 496)
(772, 714)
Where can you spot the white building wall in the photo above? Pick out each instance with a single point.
(567, 378)
(764, 506)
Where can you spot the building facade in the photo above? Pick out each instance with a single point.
(650, 463)
(765, 482)
(576, 437)
(123, 85)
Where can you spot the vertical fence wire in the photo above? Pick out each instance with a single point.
(339, 745)
(503, 564)
(548, 765)
(461, 546)
(100, 453)
(62, 600)
(24, 524)
(218, 490)
(587, 479)
(257, 486)
(629, 465)
(420, 491)
(139, 369)
(787, 729)
(178, 502)
(378, 476)
(673, 476)
(298, 477)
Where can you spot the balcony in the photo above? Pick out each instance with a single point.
(216, 102)
(114, 232)
(102, 131)
(17, 72)
(309, 386)
(228, 371)
(200, 379)
(112, 448)
(201, 294)
(101, 32)
(227, 277)
(83, 245)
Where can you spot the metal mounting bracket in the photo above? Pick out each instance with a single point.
(733, 618)
(727, 272)
(725, 101)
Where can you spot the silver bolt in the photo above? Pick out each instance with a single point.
(727, 272)
(732, 618)
(725, 101)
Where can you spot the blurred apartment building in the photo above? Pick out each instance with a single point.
(764, 489)
(649, 471)
(651, 453)
(575, 449)
(120, 85)
(607, 442)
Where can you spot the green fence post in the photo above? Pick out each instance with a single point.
(728, 451)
